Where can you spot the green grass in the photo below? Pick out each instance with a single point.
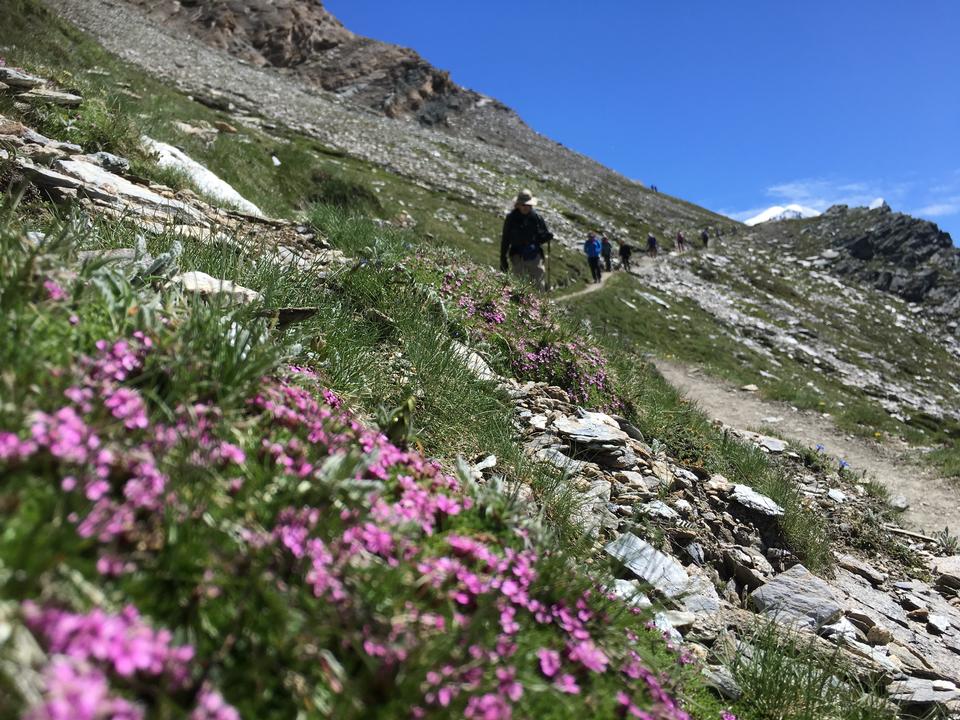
(791, 677)
(209, 355)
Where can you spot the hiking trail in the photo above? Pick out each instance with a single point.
(593, 287)
(934, 502)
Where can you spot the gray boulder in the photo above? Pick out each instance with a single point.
(661, 571)
(798, 598)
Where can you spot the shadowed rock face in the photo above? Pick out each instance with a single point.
(891, 251)
(300, 35)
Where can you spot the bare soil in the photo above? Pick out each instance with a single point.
(934, 501)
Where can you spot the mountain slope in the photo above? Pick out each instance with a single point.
(380, 481)
(484, 158)
(304, 38)
(890, 251)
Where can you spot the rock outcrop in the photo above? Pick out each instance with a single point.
(890, 251)
(305, 38)
(712, 558)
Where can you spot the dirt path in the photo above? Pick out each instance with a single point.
(592, 287)
(934, 502)
(636, 263)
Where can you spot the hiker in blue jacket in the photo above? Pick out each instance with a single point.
(592, 249)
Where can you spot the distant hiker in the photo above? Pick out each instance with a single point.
(651, 245)
(592, 249)
(625, 251)
(681, 243)
(524, 233)
(705, 237)
(606, 250)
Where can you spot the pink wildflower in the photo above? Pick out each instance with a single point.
(549, 661)
(54, 291)
(567, 684)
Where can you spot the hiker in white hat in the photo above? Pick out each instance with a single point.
(524, 234)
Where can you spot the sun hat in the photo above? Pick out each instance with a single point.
(526, 198)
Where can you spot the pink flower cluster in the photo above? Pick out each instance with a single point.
(91, 650)
(122, 644)
(119, 485)
(540, 348)
(402, 515)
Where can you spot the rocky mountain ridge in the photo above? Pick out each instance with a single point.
(305, 39)
(890, 251)
(482, 157)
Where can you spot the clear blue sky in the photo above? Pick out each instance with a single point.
(733, 105)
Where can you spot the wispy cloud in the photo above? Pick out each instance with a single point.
(944, 208)
(821, 193)
(933, 198)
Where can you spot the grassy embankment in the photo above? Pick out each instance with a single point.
(193, 560)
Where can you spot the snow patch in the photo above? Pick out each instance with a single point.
(779, 212)
(207, 182)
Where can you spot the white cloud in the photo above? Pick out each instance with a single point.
(821, 193)
(741, 215)
(950, 206)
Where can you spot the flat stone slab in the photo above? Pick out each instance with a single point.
(948, 568)
(659, 509)
(51, 97)
(476, 364)
(629, 592)
(798, 598)
(202, 284)
(752, 500)
(861, 568)
(700, 597)
(649, 564)
(110, 185)
(920, 691)
(592, 429)
(18, 78)
(560, 461)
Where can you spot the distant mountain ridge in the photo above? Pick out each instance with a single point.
(303, 37)
(890, 251)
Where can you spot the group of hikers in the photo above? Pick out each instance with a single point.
(525, 233)
(598, 248)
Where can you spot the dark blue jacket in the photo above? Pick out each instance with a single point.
(592, 248)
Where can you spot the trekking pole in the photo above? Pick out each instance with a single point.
(549, 243)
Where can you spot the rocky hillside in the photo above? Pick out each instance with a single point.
(304, 38)
(481, 161)
(320, 467)
(890, 251)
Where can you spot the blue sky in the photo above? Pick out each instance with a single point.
(733, 105)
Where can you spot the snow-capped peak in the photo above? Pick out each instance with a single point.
(779, 212)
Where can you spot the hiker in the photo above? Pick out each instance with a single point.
(681, 243)
(592, 250)
(705, 237)
(651, 245)
(606, 250)
(625, 251)
(524, 233)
